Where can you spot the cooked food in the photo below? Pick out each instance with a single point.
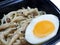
(42, 28)
(14, 27)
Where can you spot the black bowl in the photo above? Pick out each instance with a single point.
(44, 5)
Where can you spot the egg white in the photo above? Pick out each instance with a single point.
(31, 38)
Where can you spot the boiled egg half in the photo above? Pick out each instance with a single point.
(42, 28)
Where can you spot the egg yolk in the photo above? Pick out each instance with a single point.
(43, 28)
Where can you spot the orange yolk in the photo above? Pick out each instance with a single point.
(43, 28)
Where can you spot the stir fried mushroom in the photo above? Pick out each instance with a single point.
(18, 42)
(7, 25)
(3, 34)
(8, 31)
(4, 26)
(18, 33)
(19, 18)
(13, 39)
(14, 24)
(8, 20)
(2, 39)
